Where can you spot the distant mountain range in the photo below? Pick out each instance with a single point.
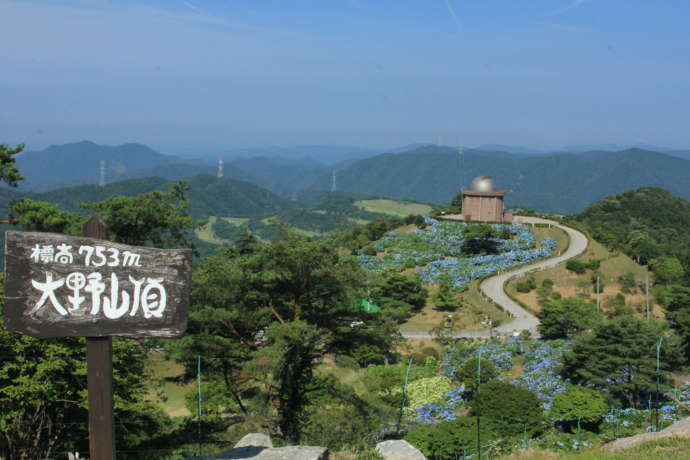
(563, 183)
(582, 148)
(560, 182)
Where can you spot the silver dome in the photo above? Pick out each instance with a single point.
(483, 184)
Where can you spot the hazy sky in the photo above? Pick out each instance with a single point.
(186, 75)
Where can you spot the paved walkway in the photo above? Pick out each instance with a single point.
(493, 287)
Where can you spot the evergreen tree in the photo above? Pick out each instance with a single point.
(446, 299)
(619, 356)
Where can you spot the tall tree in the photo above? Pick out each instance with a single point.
(565, 318)
(266, 318)
(679, 315)
(620, 356)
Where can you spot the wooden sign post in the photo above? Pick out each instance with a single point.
(65, 286)
(99, 377)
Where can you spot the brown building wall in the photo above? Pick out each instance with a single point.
(483, 208)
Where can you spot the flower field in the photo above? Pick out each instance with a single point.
(437, 252)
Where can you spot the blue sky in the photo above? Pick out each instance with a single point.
(206, 75)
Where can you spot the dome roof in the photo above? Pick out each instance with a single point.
(483, 184)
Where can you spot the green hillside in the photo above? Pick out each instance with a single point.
(647, 223)
(561, 183)
(80, 162)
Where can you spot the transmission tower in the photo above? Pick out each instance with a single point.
(101, 177)
(333, 182)
(220, 168)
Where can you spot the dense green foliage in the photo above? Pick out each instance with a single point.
(512, 410)
(619, 356)
(565, 318)
(578, 405)
(450, 440)
(679, 316)
(646, 224)
(398, 295)
(9, 173)
(445, 298)
(266, 319)
(157, 218)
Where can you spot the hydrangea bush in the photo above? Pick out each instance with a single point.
(438, 248)
(444, 411)
(492, 350)
(540, 373)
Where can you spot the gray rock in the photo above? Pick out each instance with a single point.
(276, 453)
(399, 450)
(680, 428)
(255, 439)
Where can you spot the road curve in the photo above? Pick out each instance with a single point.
(493, 287)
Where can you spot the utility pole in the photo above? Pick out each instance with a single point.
(198, 403)
(479, 407)
(404, 394)
(658, 376)
(598, 304)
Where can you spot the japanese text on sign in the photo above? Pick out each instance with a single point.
(60, 285)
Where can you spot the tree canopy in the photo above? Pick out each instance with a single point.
(9, 173)
(619, 356)
(565, 318)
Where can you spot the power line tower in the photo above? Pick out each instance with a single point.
(333, 181)
(220, 168)
(101, 177)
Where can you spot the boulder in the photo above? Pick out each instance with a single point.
(399, 450)
(276, 453)
(256, 440)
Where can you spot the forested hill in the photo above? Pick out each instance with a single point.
(562, 183)
(209, 196)
(647, 223)
(80, 162)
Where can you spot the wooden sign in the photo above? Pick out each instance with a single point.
(65, 286)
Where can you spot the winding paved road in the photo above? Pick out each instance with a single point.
(493, 287)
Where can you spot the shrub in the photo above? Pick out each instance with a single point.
(467, 374)
(424, 391)
(369, 250)
(578, 405)
(526, 285)
(449, 440)
(594, 264)
(514, 411)
(627, 282)
(577, 266)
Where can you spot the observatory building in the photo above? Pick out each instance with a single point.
(483, 203)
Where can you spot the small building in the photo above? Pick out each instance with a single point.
(483, 203)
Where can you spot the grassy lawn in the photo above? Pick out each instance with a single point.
(468, 317)
(673, 448)
(163, 374)
(393, 208)
(206, 234)
(570, 284)
(559, 235)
